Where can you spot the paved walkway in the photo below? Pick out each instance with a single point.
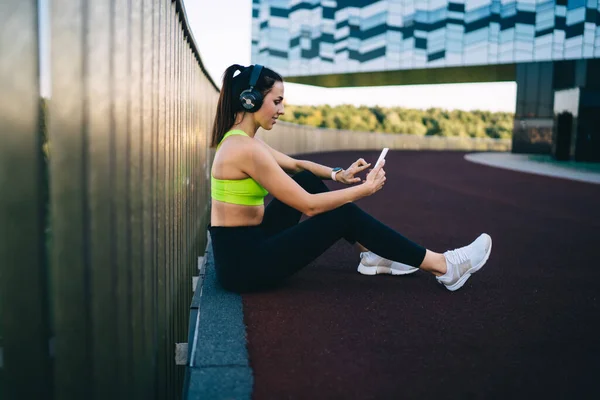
(525, 326)
(540, 165)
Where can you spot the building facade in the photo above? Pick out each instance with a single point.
(547, 47)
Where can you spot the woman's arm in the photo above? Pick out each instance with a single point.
(319, 170)
(262, 167)
(293, 166)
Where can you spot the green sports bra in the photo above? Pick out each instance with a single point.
(245, 192)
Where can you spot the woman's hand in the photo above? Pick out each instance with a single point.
(375, 179)
(347, 176)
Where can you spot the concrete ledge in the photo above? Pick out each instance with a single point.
(228, 382)
(218, 365)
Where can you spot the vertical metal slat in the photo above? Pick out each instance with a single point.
(69, 202)
(24, 321)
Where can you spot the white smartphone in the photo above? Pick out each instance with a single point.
(382, 155)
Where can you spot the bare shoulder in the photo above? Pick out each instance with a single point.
(236, 147)
(257, 151)
(261, 142)
(237, 152)
(236, 141)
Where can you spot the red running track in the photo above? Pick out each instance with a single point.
(526, 326)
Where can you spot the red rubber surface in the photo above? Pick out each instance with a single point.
(526, 326)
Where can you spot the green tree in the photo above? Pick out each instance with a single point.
(433, 121)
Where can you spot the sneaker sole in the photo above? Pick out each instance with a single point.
(466, 276)
(383, 270)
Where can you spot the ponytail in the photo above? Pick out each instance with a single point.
(227, 106)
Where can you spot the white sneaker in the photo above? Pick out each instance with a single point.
(372, 264)
(465, 261)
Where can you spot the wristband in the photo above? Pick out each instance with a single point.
(334, 172)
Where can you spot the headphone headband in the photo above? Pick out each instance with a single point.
(256, 70)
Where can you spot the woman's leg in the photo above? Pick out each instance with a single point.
(295, 247)
(279, 216)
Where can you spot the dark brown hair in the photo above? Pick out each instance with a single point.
(229, 99)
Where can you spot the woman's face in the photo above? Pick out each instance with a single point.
(271, 108)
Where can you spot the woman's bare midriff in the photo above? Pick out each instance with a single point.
(225, 166)
(226, 214)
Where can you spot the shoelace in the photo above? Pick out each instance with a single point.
(457, 256)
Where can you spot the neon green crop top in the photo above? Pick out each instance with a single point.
(245, 192)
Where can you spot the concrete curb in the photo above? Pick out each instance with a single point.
(218, 366)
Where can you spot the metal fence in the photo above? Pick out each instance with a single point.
(95, 290)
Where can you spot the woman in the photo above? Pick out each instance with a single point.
(255, 247)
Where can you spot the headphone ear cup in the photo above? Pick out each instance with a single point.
(251, 100)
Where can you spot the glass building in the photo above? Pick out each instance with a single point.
(547, 47)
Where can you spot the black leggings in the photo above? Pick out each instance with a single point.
(250, 258)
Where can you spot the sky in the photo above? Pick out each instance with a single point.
(44, 43)
(222, 30)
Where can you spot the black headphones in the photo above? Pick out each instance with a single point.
(251, 99)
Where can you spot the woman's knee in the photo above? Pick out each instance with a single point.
(305, 176)
(343, 219)
(310, 182)
(344, 212)
(349, 208)
(349, 213)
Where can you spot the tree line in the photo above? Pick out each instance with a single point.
(430, 122)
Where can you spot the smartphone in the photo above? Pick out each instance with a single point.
(382, 155)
